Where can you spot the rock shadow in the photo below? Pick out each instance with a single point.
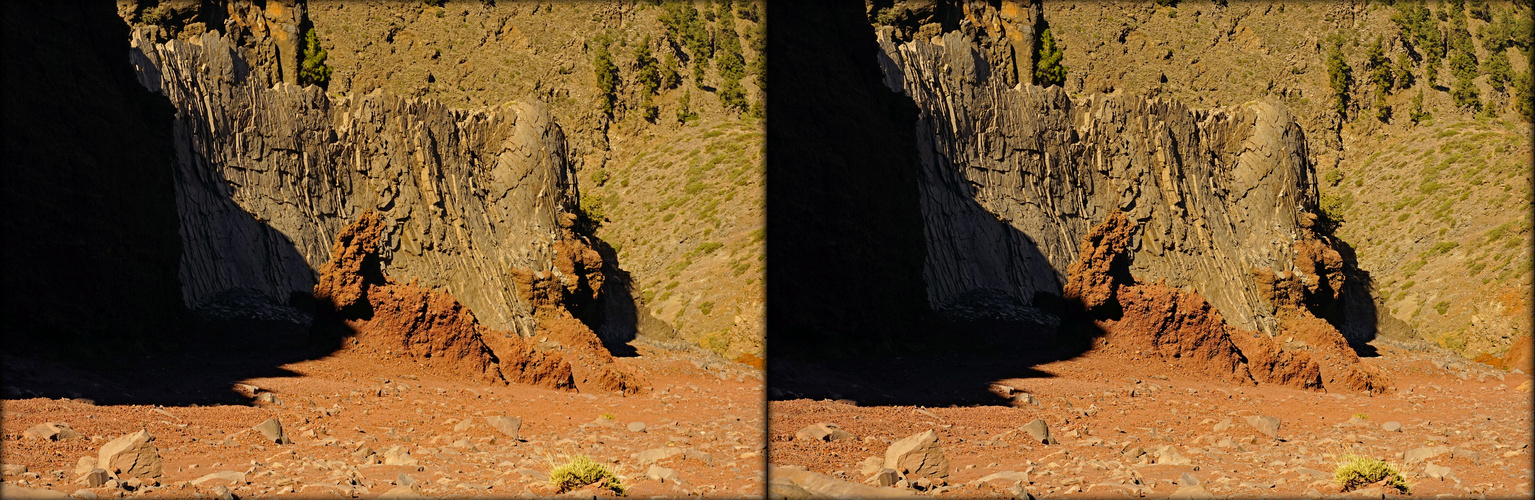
(848, 314)
(93, 298)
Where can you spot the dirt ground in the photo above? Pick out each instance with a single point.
(707, 412)
(1101, 408)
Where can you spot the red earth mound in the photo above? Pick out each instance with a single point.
(1182, 328)
(574, 285)
(1518, 356)
(429, 326)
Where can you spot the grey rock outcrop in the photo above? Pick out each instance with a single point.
(267, 174)
(1014, 175)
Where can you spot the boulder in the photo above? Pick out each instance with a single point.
(1269, 426)
(272, 430)
(1392, 426)
(1040, 431)
(636, 427)
(918, 455)
(130, 455)
(509, 426)
(1439, 472)
(823, 432)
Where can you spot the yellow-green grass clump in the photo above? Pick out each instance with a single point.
(581, 471)
(1355, 471)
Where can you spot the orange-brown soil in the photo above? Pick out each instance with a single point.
(331, 407)
(1101, 404)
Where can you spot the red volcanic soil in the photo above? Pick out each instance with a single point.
(331, 407)
(1098, 405)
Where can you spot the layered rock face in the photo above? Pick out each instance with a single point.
(1013, 176)
(268, 174)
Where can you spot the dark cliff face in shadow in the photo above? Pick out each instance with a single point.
(848, 316)
(845, 251)
(91, 244)
(92, 300)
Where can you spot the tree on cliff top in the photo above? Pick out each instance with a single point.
(1048, 69)
(312, 69)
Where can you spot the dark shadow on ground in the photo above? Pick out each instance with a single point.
(848, 316)
(92, 298)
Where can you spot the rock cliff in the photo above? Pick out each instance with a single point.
(268, 174)
(1014, 175)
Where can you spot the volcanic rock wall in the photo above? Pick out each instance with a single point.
(1013, 176)
(268, 174)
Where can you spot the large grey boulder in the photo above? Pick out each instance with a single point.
(918, 455)
(130, 455)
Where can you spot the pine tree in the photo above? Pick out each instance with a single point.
(312, 70)
(607, 76)
(1048, 69)
(1341, 78)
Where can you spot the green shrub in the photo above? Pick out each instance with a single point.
(1048, 69)
(607, 75)
(646, 72)
(582, 471)
(1355, 471)
(1333, 177)
(670, 79)
(1331, 210)
(731, 66)
(706, 308)
(1341, 77)
(590, 214)
(1416, 113)
(312, 69)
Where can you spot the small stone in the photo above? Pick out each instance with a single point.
(636, 427)
(662, 474)
(228, 477)
(1040, 431)
(404, 480)
(464, 425)
(1024, 398)
(396, 455)
(1267, 425)
(509, 426)
(1458, 452)
(51, 431)
(222, 493)
(272, 430)
(823, 432)
(870, 466)
(1392, 426)
(1416, 455)
(1170, 456)
(268, 399)
(85, 465)
(1223, 425)
(886, 477)
(14, 469)
(84, 494)
(94, 478)
(1437, 472)
(654, 455)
